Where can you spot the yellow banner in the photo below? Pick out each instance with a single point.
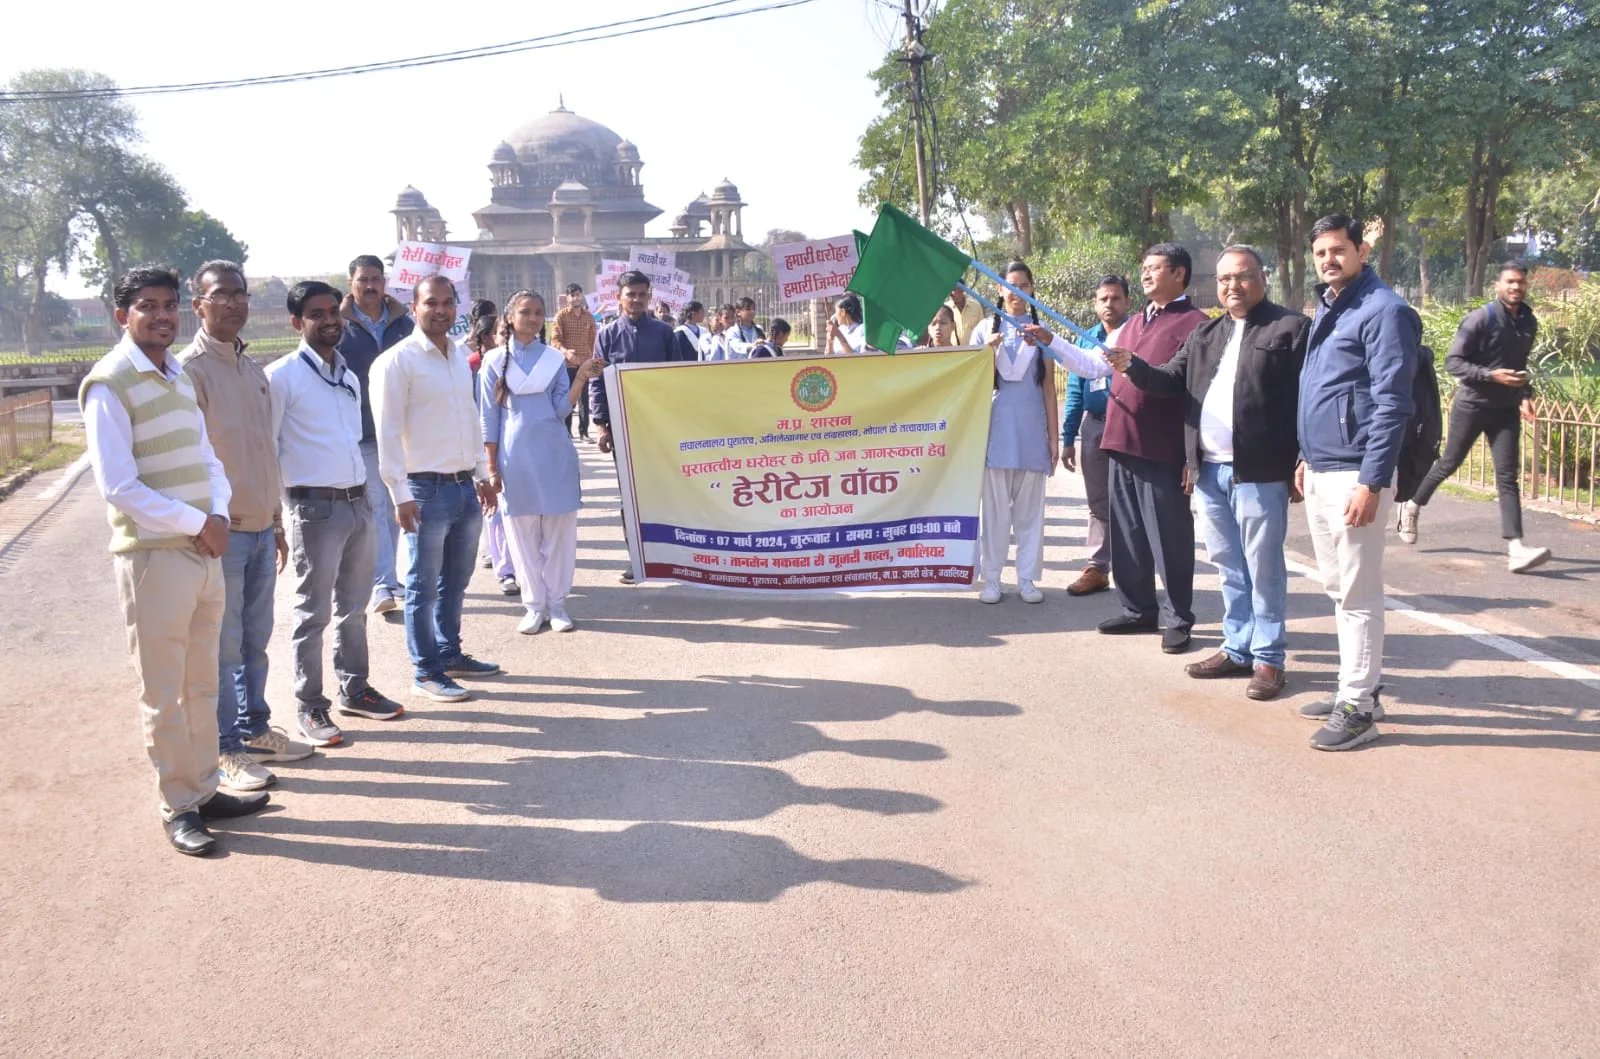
(839, 473)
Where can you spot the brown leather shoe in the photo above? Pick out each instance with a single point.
(1217, 665)
(1093, 579)
(1266, 683)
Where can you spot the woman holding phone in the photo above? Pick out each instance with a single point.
(524, 399)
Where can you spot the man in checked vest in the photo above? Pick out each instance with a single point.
(168, 497)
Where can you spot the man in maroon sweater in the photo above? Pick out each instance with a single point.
(1151, 525)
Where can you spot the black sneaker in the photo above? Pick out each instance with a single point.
(467, 666)
(1175, 641)
(509, 586)
(626, 577)
(1128, 623)
(1346, 729)
(222, 806)
(369, 702)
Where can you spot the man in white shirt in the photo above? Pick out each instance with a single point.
(168, 506)
(316, 426)
(1241, 373)
(430, 455)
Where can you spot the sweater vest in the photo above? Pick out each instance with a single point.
(166, 444)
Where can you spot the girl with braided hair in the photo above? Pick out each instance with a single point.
(1023, 443)
(524, 399)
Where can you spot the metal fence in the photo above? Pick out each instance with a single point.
(26, 424)
(1560, 456)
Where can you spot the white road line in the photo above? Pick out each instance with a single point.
(1522, 652)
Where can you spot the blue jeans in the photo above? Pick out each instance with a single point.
(249, 574)
(443, 551)
(1244, 524)
(383, 520)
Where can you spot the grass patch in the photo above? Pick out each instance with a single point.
(58, 453)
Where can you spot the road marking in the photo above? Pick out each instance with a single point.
(1566, 670)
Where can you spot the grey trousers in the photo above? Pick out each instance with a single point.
(1095, 464)
(333, 546)
(1152, 528)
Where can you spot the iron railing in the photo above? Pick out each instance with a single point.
(26, 424)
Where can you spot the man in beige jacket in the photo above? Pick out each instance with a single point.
(232, 392)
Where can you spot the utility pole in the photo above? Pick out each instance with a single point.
(915, 56)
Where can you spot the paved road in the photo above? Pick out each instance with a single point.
(887, 825)
(66, 412)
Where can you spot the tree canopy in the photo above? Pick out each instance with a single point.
(1448, 124)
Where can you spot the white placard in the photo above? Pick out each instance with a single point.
(820, 268)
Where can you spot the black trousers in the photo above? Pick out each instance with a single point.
(1503, 427)
(1152, 529)
(583, 407)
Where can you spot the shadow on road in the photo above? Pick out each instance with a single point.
(649, 862)
(677, 753)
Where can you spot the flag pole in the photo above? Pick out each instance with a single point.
(1031, 300)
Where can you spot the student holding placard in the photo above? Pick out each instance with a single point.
(524, 399)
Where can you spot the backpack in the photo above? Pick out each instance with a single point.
(1424, 431)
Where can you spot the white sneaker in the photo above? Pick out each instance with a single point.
(275, 745)
(1029, 592)
(1406, 524)
(1524, 558)
(990, 593)
(531, 622)
(559, 622)
(239, 771)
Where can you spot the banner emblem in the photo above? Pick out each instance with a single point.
(814, 389)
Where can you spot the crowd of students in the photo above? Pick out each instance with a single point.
(219, 475)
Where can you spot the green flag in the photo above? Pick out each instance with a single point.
(906, 272)
(875, 323)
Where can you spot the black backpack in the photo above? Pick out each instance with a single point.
(1424, 432)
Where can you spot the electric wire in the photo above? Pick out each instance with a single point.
(589, 34)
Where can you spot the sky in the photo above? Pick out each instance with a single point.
(306, 174)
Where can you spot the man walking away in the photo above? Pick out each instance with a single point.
(167, 496)
(1355, 403)
(1490, 357)
(231, 390)
(1241, 376)
(316, 432)
(374, 322)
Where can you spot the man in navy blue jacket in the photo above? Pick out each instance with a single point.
(373, 322)
(1355, 403)
(635, 337)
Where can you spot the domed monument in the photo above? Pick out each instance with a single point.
(564, 194)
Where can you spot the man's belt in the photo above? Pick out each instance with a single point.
(319, 492)
(435, 476)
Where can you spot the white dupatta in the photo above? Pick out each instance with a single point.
(522, 383)
(1014, 369)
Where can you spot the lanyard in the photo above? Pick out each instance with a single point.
(338, 384)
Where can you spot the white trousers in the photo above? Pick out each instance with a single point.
(544, 552)
(1350, 562)
(1013, 499)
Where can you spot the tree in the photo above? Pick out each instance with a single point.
(1516, 88)
(70, 173)
(196, 238)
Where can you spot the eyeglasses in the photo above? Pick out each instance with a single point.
(1238, 279)
(237, 297)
